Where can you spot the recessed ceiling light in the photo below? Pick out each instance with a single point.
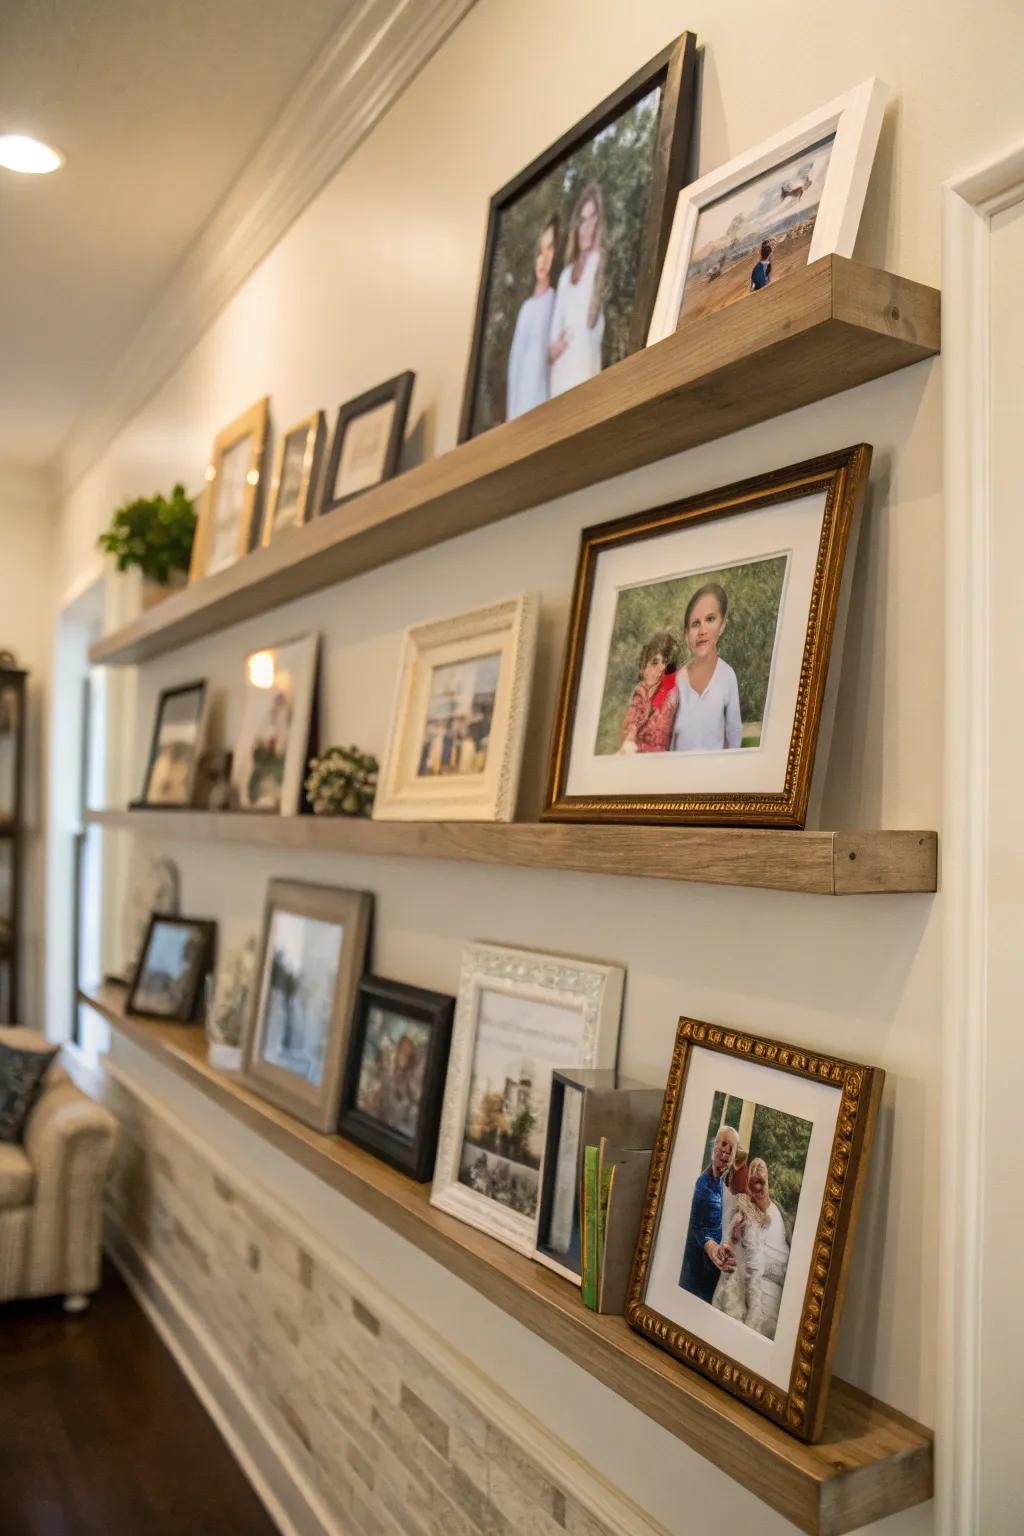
(20, 153)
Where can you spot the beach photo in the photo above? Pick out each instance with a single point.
(460, 710)
(690, 661)
(755, 235)
(297, 1002)
(175, 747)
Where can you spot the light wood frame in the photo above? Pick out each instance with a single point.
(842, 477)
(315, 1105)
(201, 719)
(254, 423)
(508, 628)
(315, 431)
(801, 1408)
(588, 988)
(855, 119)
(675, 70)
(398, 389)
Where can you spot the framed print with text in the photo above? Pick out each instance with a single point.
(367, 441)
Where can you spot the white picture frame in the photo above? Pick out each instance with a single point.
(292, 664)
(855, 120)
(431, 772)
(585, 1002)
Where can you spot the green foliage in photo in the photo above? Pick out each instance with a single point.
(754, 592)
(781, 1139)
(621, 160)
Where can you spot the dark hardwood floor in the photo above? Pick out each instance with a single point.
(101, 1434)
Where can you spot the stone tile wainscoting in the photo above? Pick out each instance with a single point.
(377, 1439)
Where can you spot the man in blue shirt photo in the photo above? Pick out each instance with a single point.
(705, 1256)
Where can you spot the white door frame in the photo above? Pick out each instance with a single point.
(970, 204)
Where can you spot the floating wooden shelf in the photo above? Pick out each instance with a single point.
(870, 1463)
(827, 328)
(817, 863)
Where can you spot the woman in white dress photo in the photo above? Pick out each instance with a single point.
(527, 382)
(756, 1237)
(708, 717)
(577, 325)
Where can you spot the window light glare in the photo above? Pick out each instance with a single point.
(253, 477)
(20, 153)
(211, 473)
(261, 670)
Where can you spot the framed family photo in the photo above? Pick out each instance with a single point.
(700, 641)
(459, 717)
(275, 741)
(227, 517)
(176, 746)
(519, 1016)
(394, 1078)
(746, 1235)
(312, 955)
(794, 198)
(296, 473)
(176, 957)
(367, 441)
(574, 244)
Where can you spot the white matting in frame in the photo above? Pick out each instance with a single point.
(708, 1072)
(429, 775)
(791, 529)
(852, 122)
(564, 1006)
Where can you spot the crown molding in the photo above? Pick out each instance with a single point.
(359, 73)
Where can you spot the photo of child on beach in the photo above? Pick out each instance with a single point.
(690, 661)
(563, 269)
(755, 235)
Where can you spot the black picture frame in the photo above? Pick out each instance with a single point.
(398, 389)
(675, 70)
(201, 965)
(435, 1009)
(166, 695)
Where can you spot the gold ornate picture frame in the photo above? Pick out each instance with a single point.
(294, 483)
(227, 517)
(703, 639)
(785, 1134)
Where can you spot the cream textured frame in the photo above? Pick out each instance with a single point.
(856, 120)
(509, 628)
(594, 990)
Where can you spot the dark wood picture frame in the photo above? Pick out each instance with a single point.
(801, 1408)
(675, 69)
(202, 964)
(314, 430)
(166, 694)
(316, 1105)
(398, 389)
(843, 477)
(434, 1009)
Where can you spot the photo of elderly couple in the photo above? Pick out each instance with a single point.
(690, 661)
(744, 1205)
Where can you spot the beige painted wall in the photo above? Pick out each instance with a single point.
(379, 274)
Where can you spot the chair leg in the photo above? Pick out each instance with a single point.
(76, 1303)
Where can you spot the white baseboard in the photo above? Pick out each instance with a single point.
(284, 1492)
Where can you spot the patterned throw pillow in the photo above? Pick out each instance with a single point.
(21, 1077)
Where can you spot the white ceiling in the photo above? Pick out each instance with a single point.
(158, 105)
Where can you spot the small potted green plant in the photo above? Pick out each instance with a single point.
(155, 534)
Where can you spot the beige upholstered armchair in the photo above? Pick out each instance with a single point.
(51, 1193)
